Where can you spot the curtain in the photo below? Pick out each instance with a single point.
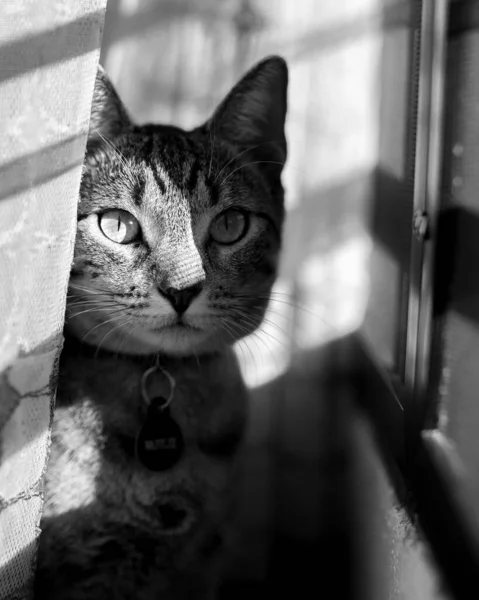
(48, 59)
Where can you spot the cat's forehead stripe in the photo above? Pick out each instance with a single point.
(139, 189)
(214, 193)
(157, 181)
(172, 161)
(159, 178)
(192, 179)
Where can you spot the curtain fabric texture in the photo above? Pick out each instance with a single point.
(48, 59)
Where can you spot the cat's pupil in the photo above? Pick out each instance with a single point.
(119, 226)
(230, 226)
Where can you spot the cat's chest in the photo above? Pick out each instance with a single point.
(100, 412)
(101, 402)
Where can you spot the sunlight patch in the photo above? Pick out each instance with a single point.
(334, 290)
(328, 301)
(265, 354)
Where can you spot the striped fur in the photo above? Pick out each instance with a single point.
(111, 528)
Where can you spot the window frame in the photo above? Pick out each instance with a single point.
(403, 405)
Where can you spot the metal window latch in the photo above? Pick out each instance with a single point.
(420, 225)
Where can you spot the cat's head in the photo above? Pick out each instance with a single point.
(179, 231)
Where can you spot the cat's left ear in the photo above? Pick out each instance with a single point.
(252, 116)
(108, 116)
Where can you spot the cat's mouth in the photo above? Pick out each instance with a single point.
(179, 324)
(182, 326)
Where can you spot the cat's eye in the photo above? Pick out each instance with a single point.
(119, 226)
(229, 227)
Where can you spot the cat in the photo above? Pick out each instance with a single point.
(177, 246)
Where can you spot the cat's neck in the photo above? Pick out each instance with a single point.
(92, 331)
(74, 347)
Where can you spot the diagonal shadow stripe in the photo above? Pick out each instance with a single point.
(41, 166)
(397, 16)
(51, 46)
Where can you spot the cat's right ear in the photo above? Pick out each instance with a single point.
(108, 117)
(252, 116)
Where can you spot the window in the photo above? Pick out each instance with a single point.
(420, 375)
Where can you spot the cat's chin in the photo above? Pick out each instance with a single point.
(179, 341)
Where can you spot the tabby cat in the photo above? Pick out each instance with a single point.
(176, 251)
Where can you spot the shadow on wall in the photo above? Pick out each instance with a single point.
(162, 12)
(48, 47)
(39, 167)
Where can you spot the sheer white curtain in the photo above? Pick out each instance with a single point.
(48, 58)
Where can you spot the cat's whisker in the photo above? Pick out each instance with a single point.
(286, 316)
(273, 162)
(87, 310)
(234, 326)
(212, 145)
(225, 324)
(248, 332)
(243, 318)
(73, 309)
(232, 335)
(257, 334)
(104, 308)
(272, 311)
(88, 295)
(279, 301)
(89, 300)
(100, 325)
(241, 153)
(128, 331)
(131, 309)
(122, 159)
(254, 162)
(239, 344)
(281, 330)
(248, 318)
(305, 311)
(97, 301)
(197, 358)
(72, 305)
(91, 290)
(76, 299)
(274, 338)
(245, 342)
(254, 338)
(270, 350)
(108, 333)
(269, 310)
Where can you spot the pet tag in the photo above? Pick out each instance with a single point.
(159, 443)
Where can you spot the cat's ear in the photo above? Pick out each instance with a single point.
(252, 116)
(108, 116)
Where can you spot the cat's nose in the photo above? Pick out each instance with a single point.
(180, 299)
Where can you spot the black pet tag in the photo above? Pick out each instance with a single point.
(159, 443)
